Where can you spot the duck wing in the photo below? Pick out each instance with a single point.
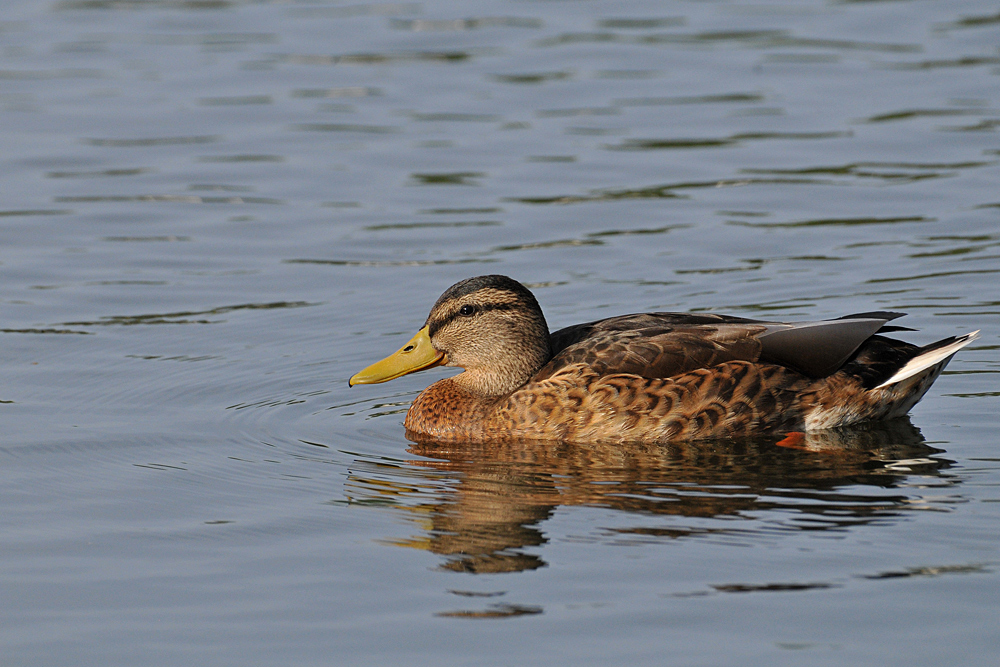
(661, 345)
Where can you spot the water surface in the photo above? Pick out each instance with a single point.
(214, 213)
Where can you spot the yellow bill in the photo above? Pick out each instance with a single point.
(416, 355)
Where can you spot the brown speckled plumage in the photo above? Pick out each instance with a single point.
(655, 377)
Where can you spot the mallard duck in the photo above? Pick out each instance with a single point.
(649, 377)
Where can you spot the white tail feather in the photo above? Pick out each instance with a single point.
(930, 359)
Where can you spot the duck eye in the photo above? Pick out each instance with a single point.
(467, 310)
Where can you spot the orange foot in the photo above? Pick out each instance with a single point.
(793, 440)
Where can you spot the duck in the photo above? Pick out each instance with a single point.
(649, 377)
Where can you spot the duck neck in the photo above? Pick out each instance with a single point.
(507, 371)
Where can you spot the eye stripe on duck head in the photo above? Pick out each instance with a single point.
(476, 309)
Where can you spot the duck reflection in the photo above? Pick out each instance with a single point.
(480, 506)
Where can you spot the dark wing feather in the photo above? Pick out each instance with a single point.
(660, 345)
(818, 349)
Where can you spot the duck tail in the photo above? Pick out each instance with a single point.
(933, 357)
(835, 404)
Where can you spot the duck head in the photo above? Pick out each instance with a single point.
(491, 326)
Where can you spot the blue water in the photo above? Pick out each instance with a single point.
(214, 213)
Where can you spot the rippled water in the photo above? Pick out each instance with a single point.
(214, 212)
